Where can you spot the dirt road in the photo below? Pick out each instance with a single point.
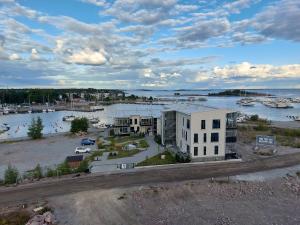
(141, 176)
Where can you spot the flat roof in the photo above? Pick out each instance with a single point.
(188, 108)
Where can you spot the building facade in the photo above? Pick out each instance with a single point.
(203, 133)
(135, 124)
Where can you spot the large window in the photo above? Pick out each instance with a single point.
(195, 151)
(204, 137)
(183, 121)
(186, 135)
(204, 150)
(216, 124)
(214, 137)
(195, 138)
(188, 149)
(135, 121)
(216, 150)
(188, 124)
(202, 124)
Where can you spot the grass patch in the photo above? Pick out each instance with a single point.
(156, 160)
(123, 154)
(284, 136)
(15, 218)
(143, 144)
(94, 154)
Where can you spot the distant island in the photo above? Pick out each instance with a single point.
(238, 92)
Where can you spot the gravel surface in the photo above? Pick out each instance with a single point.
(193, 202)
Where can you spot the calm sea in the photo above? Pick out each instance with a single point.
(53, 121)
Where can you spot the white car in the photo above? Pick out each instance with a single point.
(82, 150)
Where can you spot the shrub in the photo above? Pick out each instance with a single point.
(157, 139)
(79, 124)
(64, 168)
(254, 118)
(261, 127)
(11, 175)
(35, 128)
(37, 172)
(83, 167)
(51, 172)
(111, 132)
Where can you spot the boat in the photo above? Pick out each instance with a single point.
(29, 111)
(44, 110)
(68, 118)
(94, 120)
(51, 110)
(246, 102)
(4, 127)
(99, 125)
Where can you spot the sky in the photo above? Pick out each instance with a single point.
(143, 44)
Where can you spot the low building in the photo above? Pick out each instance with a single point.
(74, 161)
(135, 124)
(203, 133)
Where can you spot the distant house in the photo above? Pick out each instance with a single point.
(74, 160)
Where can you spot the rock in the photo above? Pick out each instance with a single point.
(49, 217)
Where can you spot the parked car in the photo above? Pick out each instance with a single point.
(82, 150)
(88, 141)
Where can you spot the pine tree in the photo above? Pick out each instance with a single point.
(35, 128)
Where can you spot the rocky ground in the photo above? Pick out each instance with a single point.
(195, 202)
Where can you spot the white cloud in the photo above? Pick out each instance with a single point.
(88, 57)
(14, 56)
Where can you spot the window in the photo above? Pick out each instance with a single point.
(204, 150)
(188, 124)
(195, 138)
(186, 136)
(188, 149)
(130, 121)
(195, 151)
(202, 124)
(216, 124)
(216, 150)
(135, 121)
(183, 121)
(214, 137)
(204, 137)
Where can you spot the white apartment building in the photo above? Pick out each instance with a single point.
(204, 133)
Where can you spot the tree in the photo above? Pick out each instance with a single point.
(35, 128)
(37, 172)
(11, 175)
(80, 124)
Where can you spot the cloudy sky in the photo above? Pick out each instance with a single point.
(157, 44)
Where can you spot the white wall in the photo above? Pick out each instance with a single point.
(196, 128)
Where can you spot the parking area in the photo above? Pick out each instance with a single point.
(50, 151)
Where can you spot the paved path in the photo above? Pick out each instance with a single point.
(111, 165)
(141, 176)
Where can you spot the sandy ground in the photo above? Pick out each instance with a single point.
(25, 155)
(193, 202)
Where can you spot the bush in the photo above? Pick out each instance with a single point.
(79, 124)
(37, 172)
(51, 172)
(254, 118)
(11, 175)
(111, 132)
(261, 127)
(83, 167)
(64, 168)
(35, 129)
(157, 139)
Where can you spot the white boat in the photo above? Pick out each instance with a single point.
(44, 110)
(29, 111)
(99, 125)
(94, 120)
(51, 110)
(4, 127)
(68, 118)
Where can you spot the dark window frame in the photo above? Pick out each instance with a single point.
(216, 150)
(203, 125)
(216, 124)
(195, 151)
(196, 138)
(204, 137)
(204, 150)
(214, 137)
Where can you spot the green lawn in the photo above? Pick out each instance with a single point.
(123, 139)
(124, 153)
(156, 160)
(93, 155)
